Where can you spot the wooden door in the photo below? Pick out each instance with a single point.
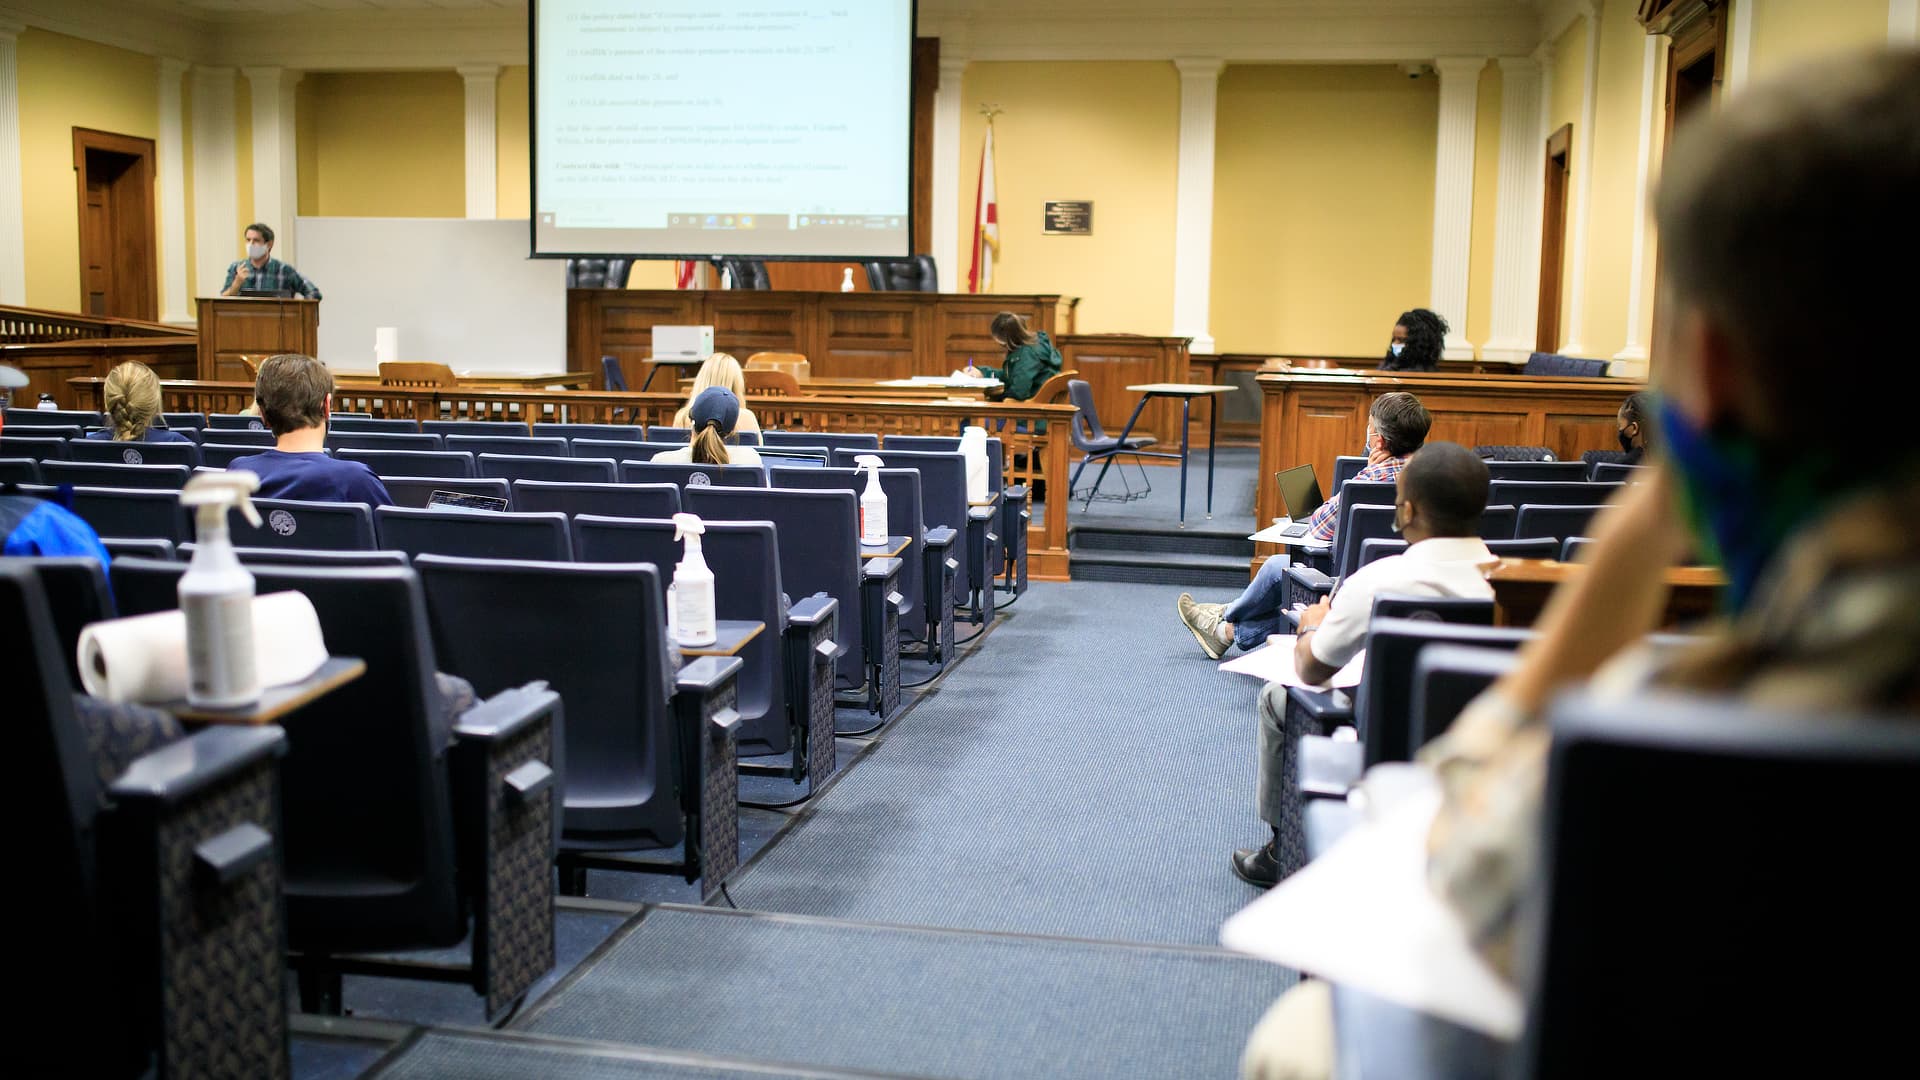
(118, 264)
(1553, 238)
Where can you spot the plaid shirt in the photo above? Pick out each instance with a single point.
(274, 275)
(1325, 519)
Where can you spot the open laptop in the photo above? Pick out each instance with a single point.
(792, 457)
(1300, 494)
(460, 500)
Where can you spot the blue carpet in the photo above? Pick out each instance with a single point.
(445, 1055)
(1087, 775)
(921, 1002)
(1236, 472)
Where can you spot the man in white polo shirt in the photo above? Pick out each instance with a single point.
(1438, 501)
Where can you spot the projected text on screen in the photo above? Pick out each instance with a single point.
(722, 127)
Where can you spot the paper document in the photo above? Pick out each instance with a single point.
(1363, 915)
(1274, 663)
(1271, 535)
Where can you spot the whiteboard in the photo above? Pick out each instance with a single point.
(461, 292)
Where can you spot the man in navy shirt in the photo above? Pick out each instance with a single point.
(295, 393)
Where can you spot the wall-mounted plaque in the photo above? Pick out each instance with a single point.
(1068, 217)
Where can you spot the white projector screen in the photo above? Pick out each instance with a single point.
(691, 128)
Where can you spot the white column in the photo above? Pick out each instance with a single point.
(1652, 117)
(945, 229)
(1193, 202)
(275, 168)
(1903, 22)
(215, 198)
(176, 274)
(13, 235)
(1453, 196)
(483, 84)
(1583, 191)
(1516, 227)
(1740, 44)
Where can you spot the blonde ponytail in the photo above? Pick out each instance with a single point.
(132, 392)
(709, 448)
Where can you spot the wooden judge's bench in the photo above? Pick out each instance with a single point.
(234, 329)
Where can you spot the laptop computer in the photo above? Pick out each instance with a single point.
(795, 457)
(462, 501)
(1300, 494)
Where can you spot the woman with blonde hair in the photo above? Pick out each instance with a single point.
(723, 371)
(715, 413)
(132, 391)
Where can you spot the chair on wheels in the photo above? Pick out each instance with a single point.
(1094, 444)
(916, 273)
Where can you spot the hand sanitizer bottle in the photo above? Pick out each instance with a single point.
(873, 503)
(846, 279)
(216, 594)
(692, 602)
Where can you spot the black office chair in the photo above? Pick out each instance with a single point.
(182, 421)
(522, 444)
(747, 273)
(41, 448)
(1605, 472)
(385, 440)
(915, 273)
(649, 752)
(1558, 366)
(598, 273)
(155, 885)
(473, 534)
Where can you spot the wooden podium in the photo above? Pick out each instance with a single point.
(233, 327)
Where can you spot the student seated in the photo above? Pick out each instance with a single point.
(1783, 191)
(1031, 358)
(132, 393)
(1632, 426)
(295, 394)
(720, 370)
(1418, 338)
(714, 413)
(1437, 507)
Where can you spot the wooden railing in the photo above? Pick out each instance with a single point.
(52, 347)
(1029, 457)
(24, 325)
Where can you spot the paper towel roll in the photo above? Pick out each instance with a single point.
(144, 658)
(386, 344)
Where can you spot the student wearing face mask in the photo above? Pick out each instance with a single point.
(261, 272)
(1418, 337)
(1633, 425)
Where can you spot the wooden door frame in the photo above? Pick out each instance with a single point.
(84, 139)
(1559, 145)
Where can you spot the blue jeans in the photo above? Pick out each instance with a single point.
(1256, 613)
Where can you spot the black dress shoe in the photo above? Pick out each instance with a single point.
(1257, 866)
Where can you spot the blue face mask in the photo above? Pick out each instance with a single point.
(1397, 348)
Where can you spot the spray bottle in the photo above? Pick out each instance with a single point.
(873, 503)
(973, 448)
(690, 597)
(216, 594)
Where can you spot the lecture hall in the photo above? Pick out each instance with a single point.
(960, 539)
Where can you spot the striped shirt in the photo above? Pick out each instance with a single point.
(1324, 520)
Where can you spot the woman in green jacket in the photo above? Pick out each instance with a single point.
(1031, 358)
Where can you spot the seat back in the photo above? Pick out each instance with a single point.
(177, 421)
(602, 500)
(525, 445)
(91, 474)
(107, 451)
(236, 422)
(369, 829)
(746, 273)
(148, 548)
(772, 383)
(133, 513)
(1609, 472)
(1541, 493)
(832, 440)
(34, 447)
(1556, 365)
(598, 273)
(943, 495)
(613, 675)
(1551, 471)
(745, 559)
(1767, 833)
(1496, 523)
(621, 449)
(679, 436)
(417, 491)
(76, 591)
(1556, 523)
(1446, 678)
(475, 534)
(1360, 523)
(1573, 547)
(611, 372)
(916, 273)
(940, 444)
(686, 476)
(20, 470)
(473, 427)
(80, 418)
(408, 373)
(308, 557)
(236, 436)
(320, 526)
(1382, 704)
(368, 425)
(383, 440)
(826, 560)
(46, 431)
(454, 463)
(564, 469)
(903, 488)
(1373, 549)
(571, 431)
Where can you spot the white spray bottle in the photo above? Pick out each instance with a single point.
(216, 594)
(690, 597)
(973, 448)
(873, 503)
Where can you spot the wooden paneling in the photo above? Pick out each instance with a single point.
(1111, 362)
(233, 326)
(871, 339)
(49, 365)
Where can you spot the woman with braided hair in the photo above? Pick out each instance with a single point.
(132, 391)
(1418, 337)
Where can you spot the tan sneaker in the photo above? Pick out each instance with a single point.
(1204, 621)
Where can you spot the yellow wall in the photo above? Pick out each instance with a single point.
(386, 144)
(1108, 132)
(1486, 193)
(66, 83)
(1564, 107)
(1615, 210)
(1787, 31)
(1323, 207)
(510, 156)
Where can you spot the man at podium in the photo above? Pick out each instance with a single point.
(259, 274)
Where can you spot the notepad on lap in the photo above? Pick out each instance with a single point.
(1273, 662)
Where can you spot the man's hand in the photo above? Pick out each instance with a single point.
(1379, 455)
(1313, 616)
(246, 271)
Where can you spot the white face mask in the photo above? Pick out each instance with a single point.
(1397, 347)
(256, 251)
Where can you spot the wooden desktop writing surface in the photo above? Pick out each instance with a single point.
(1521, 588)
(235, 326)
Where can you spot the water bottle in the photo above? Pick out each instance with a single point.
(846, 279)
(47, 402)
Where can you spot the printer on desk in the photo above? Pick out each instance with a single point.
(671, 343)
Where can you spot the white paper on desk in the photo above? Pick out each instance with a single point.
(1274, 663)
(1363, 915)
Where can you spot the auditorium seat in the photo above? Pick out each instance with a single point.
(1375, 548)
(685, 476)
(91, 474)
(35, 447)
(182, 421)
(125, 858)
(473, 427)
(260, 440)
(1614, 473)
(402, 818)
(81, 418)
(367, 424)
(1522, 492)
(915, 273)
(292, 556)
(532, 467)
(1564, 471)
(622, 449)
(1345, 468)
(133, 513)
(20, 470)
(134, 453)
(525, 445)
(384, 440)
(46, 431)
(649, 752)
(140, 548)
(286, 523)
(598, 273)
(236, 422)
(570, 431)
(454, 463)
(218, 455)
(943, 493)
(603, 500)
(475, 534)
(830, 439)
(1553, 364)
(416, 491)
(1554, 522)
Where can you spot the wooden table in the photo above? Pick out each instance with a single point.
(1521, 588)
(277, 701)
(1186, 392)
(484, 380)
(892, 549)
(730, 636)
